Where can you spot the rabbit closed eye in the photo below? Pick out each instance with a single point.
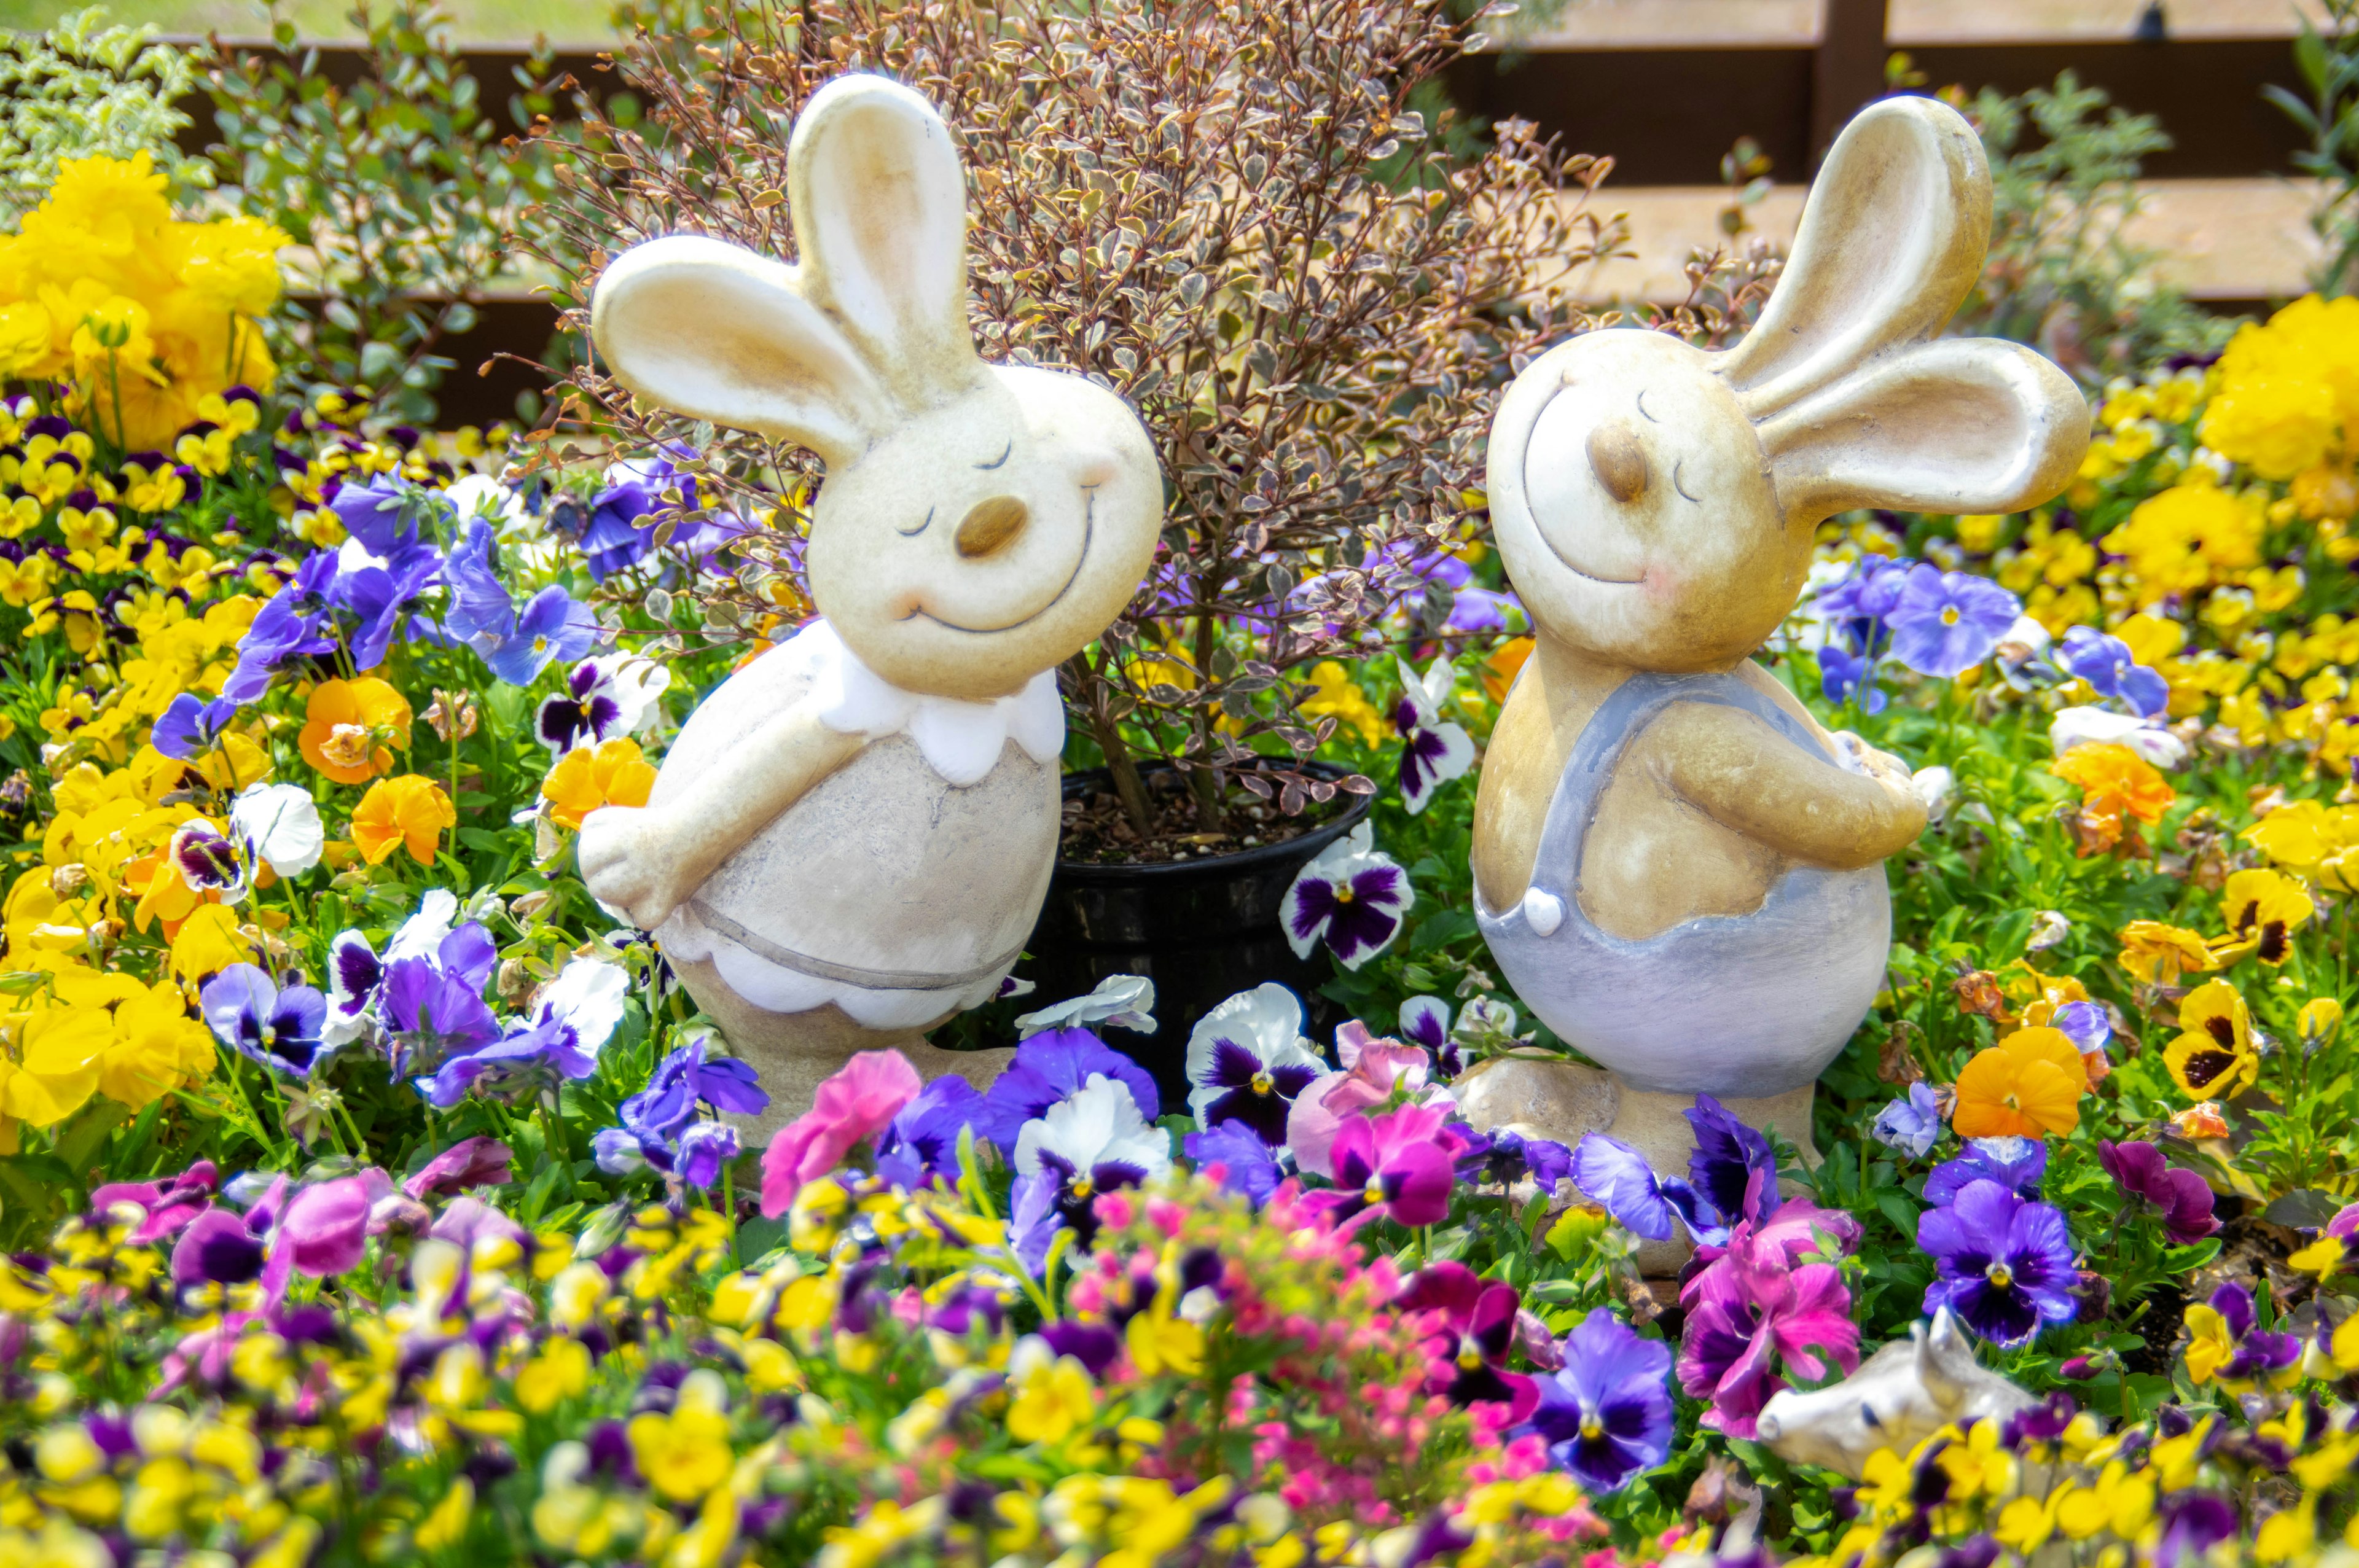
(978, 522)
(1655, 504)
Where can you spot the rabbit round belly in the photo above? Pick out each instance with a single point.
(1734, 1006)
(885, 870)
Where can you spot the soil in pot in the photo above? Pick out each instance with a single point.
(1099, 832)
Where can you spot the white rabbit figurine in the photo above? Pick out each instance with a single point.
(1676, 867)
(851, 838)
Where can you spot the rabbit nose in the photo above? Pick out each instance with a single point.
(990, 525)
(1619, 460)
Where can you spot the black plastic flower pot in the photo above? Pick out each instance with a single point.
(1202, 930)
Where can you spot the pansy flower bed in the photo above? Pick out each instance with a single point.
(371, 1193)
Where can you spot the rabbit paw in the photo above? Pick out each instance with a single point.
(1882, 766)
(625, 860)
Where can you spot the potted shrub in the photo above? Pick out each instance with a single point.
(1260, 225)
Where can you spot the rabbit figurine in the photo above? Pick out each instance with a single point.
(850, 838)
(1676, 867)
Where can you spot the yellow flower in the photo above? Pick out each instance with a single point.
(2319, 1017)
(410, 810)
(2212, 1059)
(446, 1525)
(2026, 1086)
(561, 1371)
(2179, 540)
(2288, 1533)
(2288, 389)
(1338, 694)
(1160, 1341)
(348, 725)
(2025, 1523)
(2210, 1344)
(686, 1454)
(2115, 780)
(2120, 1502)
(207, 943)
(1052, 1395)
(57, 1067)
(2262, 909)
(2159, 953)
(613, 773)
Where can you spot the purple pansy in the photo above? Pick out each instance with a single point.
(287, 630)
(1731, 1167)
(430, 1003)
(1618, 1179)
(2259, 1356)
(659, 1125)
(2003, 1265)
(1912, 1123)
(621, 529)
(922, 1142)
(1425, 1021)
(2106, 663)
(2019, 1165)
(191, 727)
(2181, 1197)
(1947, 622)
(1434, 750)
(575, 1014)
(279, 1029)
(1050, 1066)
(1248, 1062)
(1248, 1166)
(1502, 1157)
(603, 697)
(1353, 897)
(1845, 676)
(1605, 1414)
(1095, 1140)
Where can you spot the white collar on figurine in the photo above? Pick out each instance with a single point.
(960, 740)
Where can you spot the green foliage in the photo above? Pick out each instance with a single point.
(2328, 58)
(82, 89)
(401, 188)
(2063, 273)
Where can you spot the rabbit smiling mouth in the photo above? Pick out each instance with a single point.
(1089, 532)
(1558, 550)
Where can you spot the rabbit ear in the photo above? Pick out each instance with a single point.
(1891, 240)
(879, 203)
(1954, 426)
(714, 331)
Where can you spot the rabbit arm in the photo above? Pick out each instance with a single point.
(649, 862)
(1744, 775)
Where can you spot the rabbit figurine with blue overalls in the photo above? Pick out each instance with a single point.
(850, 839)
(1678, 870)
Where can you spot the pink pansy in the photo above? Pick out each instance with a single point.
(1395, 1166)
(1750, 1305)
(166, 1206)
(470, 1221)
(853, 1105)
(474, 1163)
(323, 1230)
(1374, 1068)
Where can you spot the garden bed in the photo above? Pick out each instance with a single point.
(370, 1191)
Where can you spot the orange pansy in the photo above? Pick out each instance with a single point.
(349, 726)
(2026, 1086)
(410, 810)
(615, 773)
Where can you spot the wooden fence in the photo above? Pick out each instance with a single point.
(1669, 110)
